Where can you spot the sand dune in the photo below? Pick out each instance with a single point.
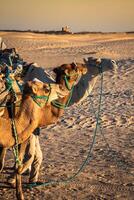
(109, 175)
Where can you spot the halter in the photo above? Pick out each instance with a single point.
(66, 81)
(36, 97)
(64, 106)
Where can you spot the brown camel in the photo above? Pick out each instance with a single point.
(35, 97)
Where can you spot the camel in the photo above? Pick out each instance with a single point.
(35, 97)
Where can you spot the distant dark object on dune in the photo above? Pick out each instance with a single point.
(130, 32)
(64, 30)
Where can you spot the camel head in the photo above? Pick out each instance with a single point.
(94, 65)
(42, 92)
(69, 74)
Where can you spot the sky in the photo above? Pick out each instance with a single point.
(79, 15)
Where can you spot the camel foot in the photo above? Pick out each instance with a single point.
(20, 196)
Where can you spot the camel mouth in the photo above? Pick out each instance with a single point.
(55, 93)
(61, 92)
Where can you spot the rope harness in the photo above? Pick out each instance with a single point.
(34, 97)
(89, 157)
(44, 97)
(60, 105)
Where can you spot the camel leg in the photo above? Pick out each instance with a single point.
(2, 157)
(29, 151)
(19, 192)
(12, 178)
(22, 168)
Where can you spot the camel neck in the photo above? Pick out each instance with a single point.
(27, 119)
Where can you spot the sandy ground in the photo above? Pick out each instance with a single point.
(110, 173)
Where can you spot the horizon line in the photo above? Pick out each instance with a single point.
(62, 32)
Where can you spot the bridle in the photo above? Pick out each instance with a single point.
(56, 103)
(67, 82)
(43, 97)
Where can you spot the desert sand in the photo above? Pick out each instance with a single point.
(109, 174)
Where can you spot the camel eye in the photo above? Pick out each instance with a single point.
(47, 88)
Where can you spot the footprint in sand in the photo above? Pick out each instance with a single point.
(130, 121)
(121, 120)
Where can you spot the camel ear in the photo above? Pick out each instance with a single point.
(31, 87)
(27, 88)
(66, 72)
(34, 88)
